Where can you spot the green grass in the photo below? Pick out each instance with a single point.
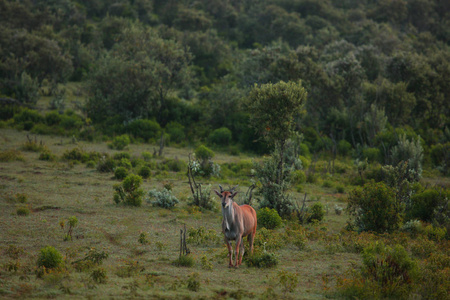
(57, 190)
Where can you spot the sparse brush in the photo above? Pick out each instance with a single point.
(193, 282)
(184, 261)
(11, 155)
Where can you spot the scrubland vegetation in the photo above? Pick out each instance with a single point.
(118, 119)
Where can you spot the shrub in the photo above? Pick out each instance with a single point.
(317, 212)
(371, 154)
(175, 131)
(126, 163)
(375, 208)
(119, 142)
(184, 261)
(120, 173)
(144, 129)
(99, 275)
(193, 282)
(344, 147)
(106, 165)
(423, 204)
(203, 153)
(76, 154)
(129, 191)
(119, 156)
(23, 211)
(262, 260)
(47, 155)
(440, 157)
(93, 258)
(144, 172)
(50, 258)
(269, 218)
(11, 155)
(288, 281)
(410, 152)
(164, 199)
(298, 177)
(220, 137)
(391, 269)
(201, 236)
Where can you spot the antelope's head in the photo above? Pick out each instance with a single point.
(226, 196)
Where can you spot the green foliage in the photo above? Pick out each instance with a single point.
(371, 154)
(164, 198)
(23, 211)
(106, 164)
(92, 258)
(71, 223)
(262, 260)
(144, 129)
(193, 282)
(344, 147)
(184, 261)
(99, 275)
(120, 142)
(203, 153)
(410, 152)
(424, 204)
(288, 281)
(375, 208)
(27, 90)
(143, 238)
(176, 132)
(273, 195)
(120, 173)
(11, 155)
(440, 156)
(129, 191)
(201, 236)
(220, 137)
(50, 258)
(145, 172)
(391, 269)
(317, 212)
(269, 218)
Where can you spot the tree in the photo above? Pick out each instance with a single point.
(134, 79)
(273, 108)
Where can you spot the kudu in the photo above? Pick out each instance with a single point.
(238, 222)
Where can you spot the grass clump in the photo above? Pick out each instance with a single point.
(11, 155)
(22, 211)
(184, 261)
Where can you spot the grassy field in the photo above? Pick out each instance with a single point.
(57, 190)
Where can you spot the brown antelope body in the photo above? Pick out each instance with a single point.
(238, 222)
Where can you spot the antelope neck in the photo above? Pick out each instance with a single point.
(228, 215)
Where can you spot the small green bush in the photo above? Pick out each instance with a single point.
(76, 154)
(269, 218)
(423, 204)
(119, 142)
(371, 154)
(176, 132)
(129, 191)
(126, 163)
(262, 260)
(119, 156)
(120, 173)
(298, 177)
(47, 155)
(106, 165)
(317, 212)
(144, 129)
(220, 137)
(203, 153)
(50, 258)
(344, 147)
(144, 172)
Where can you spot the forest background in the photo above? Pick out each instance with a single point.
(308, 104)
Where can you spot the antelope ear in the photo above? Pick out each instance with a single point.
(234, 194)
(218, 194)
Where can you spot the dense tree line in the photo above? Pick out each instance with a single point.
(373, 70)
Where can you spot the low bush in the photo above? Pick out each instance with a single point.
(99, 275)
(269, 218)
(106, 165)
(184, 261)
(144, 172)
(129, 191)
(120, 142)
(144, 129)
(11, 155)
(50, 258)
(220, 137)
(193, 282)
(317, 212)
(120, 173)
(163, 198)
(262, 260)
(23, 211)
